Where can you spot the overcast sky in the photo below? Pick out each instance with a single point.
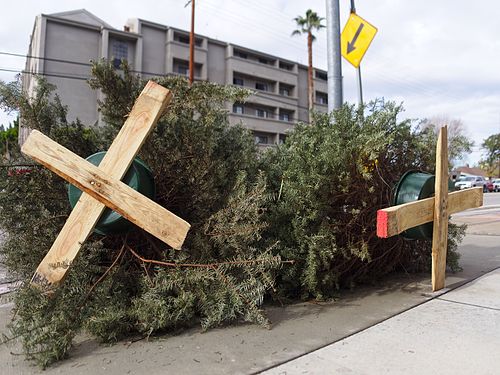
(440, 58)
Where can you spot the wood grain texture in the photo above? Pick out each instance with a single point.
(115, 194)
(147, 109)
(394, 220)
(440, 230)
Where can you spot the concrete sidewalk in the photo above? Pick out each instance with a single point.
(455, 333)
(297, 329)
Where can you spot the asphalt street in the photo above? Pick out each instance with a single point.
(491, 205)
(484, 220)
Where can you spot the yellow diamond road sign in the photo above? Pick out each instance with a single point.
(356, 38)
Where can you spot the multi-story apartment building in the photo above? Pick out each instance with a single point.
(62, 45)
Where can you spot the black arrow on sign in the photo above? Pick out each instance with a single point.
(350, 45)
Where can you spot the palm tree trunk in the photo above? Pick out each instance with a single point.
(310, 82)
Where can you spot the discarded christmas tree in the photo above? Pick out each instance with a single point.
(297, 222)
(133, 283)
(328, 181)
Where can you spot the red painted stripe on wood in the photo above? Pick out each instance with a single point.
(382, 222)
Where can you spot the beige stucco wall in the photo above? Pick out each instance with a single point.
(75, 45)
(152, 49)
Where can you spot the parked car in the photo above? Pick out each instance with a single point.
(489, 186)
(496, 184)
(466, 182)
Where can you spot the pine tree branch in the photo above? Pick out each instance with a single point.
(103, 276)
(201, 265)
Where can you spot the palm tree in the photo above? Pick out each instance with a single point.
(305, 26)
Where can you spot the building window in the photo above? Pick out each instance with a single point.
(282, 139)
(261, 86)
(284, 116)
(240, 54)
(184, 39)
(238, 109)
(183, 69)
(285, 90)
(285, 66)
(263, 60)
(321, 75)
(321, 98)
(261, 139)
(261, 113)
(238, 81)
(119, 51)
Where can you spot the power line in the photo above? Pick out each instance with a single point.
(45, 74)
(68, 76)
(45, 58)
(74, 62)
(410, 85)
(85, 78)
(414, 86)
(320, 52)
(242, 20)
(268, 115)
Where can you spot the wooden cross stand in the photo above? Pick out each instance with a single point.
(396, 219)
(102, 187)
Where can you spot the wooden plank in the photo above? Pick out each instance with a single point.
(116, 195)
(147, 109)
(145, 113)
(394, 220)
(440, 231)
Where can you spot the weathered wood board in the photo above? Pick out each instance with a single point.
(440, 229)
(396, 219)
(115, 194)
(147, 109)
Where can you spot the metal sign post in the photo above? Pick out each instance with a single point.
(360, 86)
(355, 40)
(334, 56)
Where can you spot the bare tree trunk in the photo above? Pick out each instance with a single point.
(310, 82)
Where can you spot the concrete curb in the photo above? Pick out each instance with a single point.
(463, 326)
(431, 296)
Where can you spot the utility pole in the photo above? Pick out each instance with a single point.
(334, 56)
(191, 44)
(360, 86)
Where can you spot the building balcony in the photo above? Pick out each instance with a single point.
(258, 70)
(267, 125)
(181, 51)
(273, 100)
